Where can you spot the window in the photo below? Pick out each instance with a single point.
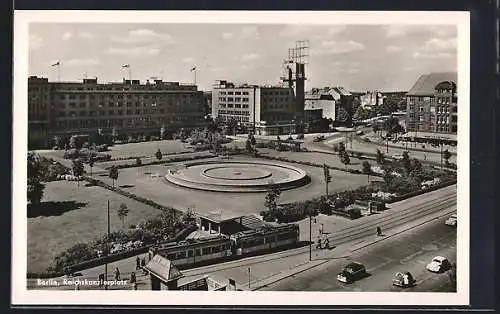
(245, 93)
(197, 252)
(190, 253)
(230, 99)
(237, 93)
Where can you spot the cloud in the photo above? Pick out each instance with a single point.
(138, 36)
(441, 31)
(188, 60)
(85, 35)
(227, 35)
(133, 51)
(250, 56)
(67, 36)
(310, 31)
(334, 47)
(217, 69)
(81, 62)
(249, 32)
(35, 42)
(432, 55)
(334, 30)
(393, 48)
(408, 69)
(440, 45)
(352, 71)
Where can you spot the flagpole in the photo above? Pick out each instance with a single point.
(129, 74)
(194, 76)
(58, 71)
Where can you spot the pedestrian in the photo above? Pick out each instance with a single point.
(133, 280)
(137, 263)
(379, 231)
(150, 255)
(143, 265)
(321, 228)
(117, 274)
(318, 246)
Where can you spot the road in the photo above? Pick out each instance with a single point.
(409, 251)
(401, 215)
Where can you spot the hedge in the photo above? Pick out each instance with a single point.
(161, 162)
(422, 191)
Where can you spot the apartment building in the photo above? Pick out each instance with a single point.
(432, 105)
(270, 110)
(129, 107)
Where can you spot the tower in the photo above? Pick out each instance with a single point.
(295, 76)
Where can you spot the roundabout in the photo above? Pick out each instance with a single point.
(237, 176)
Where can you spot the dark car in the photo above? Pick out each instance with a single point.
(351, 272)
(319, 138)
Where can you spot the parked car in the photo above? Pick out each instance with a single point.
(403, 280)
(397, 157)
(319, 138)
(438, 264)
(452, 221)
(351, 272)
(360, 132)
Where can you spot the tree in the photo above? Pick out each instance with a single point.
(113, 173)
(231, 125)
(248, 146)
(446, 156)
(380, 157)
(162, 132)
(91, 161)
(367, 169)
(114, 134)
(159, 155)
(34, 172)
(78, 169)
(375, 128)
(272, 196)
(390, 124)
(406, 161)
(327, 176)
(252, 139)
(345, 159)
(35, 191)
(341, 148)
(122, 213)
(452, 275)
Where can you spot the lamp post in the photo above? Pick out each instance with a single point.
(107, 252)
(310, 235)
(248, 277)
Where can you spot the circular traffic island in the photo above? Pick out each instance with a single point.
(237, 176)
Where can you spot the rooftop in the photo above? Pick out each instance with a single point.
(425, 85)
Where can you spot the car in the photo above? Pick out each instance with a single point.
(403, 280)
(397, 157)
(452, 221)
(319, 138)
(360, 132)
(351, 272)
(438, 264)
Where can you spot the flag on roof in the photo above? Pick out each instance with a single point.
(126, 66)
(55, 64)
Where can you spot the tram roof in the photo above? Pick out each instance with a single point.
(163, 268)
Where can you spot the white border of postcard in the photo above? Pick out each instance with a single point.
(20, 294)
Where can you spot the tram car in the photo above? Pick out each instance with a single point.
(190, 252)
(264, 239)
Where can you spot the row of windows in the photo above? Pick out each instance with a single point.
(233, 93)
(277, 99)
(105, 123)
(238, 118)
(121, 96)
(197, 252)
(121, 104)
(236, 99)
(235, 112)
(233, 106)
(275, 106)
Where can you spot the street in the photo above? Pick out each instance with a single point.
(410, 251)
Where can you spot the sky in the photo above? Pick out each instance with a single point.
(357, 57)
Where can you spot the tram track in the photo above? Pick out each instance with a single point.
(346, 235)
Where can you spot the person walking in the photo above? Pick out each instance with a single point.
(117, 274)
(137, 263)
(379, 231)
(133, 280)
(143, 265)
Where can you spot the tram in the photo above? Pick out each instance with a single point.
(190, 252)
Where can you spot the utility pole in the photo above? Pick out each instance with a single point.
(107, 252)
(248, 277)
(310, 235)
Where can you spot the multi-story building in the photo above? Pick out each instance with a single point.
(269, 110)
(432, 105)
(129, 107)
(330, 100)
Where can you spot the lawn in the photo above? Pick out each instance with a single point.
(142, 149)
(139, 181)
(76, 214)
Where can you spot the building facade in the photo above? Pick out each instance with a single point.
(330, 100)
(129, 107)
(268, 110)
(432, 104)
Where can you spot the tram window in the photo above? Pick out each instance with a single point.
(222, 247)
(215, 249)
(206, 250)
(181, 255)
(190, 253)
(171, 257)
(197, 252)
